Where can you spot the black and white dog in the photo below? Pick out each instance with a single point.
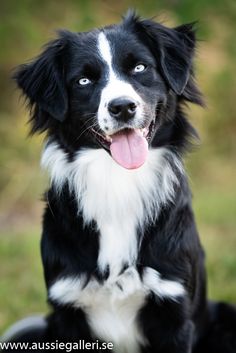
(121, 254)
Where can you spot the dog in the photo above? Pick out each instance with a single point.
(121, 254)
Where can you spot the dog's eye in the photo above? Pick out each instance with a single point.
(84, 81)
(139, 68)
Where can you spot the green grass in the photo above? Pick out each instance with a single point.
(220, 245)
(22, 285)
(214, 201)
(215, 214)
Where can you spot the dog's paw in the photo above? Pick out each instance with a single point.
(127, 284)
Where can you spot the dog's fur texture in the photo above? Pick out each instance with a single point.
(121, 254)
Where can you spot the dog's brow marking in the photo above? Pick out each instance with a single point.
(105, 51)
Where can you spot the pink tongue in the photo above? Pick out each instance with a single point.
(129, 148)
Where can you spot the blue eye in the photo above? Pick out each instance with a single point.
(140, 68)
(84, 81)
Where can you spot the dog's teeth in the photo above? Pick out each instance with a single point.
(145, 131)
(108, 138)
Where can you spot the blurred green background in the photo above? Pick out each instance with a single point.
(25, 25)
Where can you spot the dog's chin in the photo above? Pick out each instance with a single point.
(127, 146)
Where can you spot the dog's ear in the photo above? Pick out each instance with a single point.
(173, 48)
(42, 81)
(176, 54)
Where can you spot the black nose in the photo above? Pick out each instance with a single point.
(122, 108)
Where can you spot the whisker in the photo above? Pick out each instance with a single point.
(92, 115)
(86, 129)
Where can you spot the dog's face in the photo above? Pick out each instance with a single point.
(106, 88)
(115, 92)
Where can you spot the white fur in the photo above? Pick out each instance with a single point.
(162, 288)
(112, 307)
(120, 201)
(111, 314)
(114, 88)
(117, 199)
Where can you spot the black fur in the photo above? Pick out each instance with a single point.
(171, 245)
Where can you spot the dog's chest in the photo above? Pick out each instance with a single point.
(120, 202)
(113, 306)
(114, 199)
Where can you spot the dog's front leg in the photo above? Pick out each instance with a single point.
(171, 341)
(166, 316)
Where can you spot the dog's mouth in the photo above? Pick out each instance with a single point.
(129, 146)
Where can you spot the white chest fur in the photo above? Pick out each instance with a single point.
(120, 201)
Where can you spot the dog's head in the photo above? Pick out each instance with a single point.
(116, 88)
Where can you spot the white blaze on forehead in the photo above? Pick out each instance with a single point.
(121, 87)
(105, 50)
(115, 87)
